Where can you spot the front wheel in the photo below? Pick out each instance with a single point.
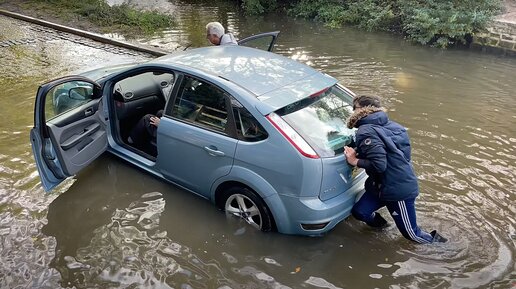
(245, 204)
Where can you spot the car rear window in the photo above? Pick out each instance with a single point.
(321, 120)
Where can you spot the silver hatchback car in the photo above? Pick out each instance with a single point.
(258, 134)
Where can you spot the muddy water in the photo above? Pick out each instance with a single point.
(116, 226)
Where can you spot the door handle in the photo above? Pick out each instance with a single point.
(88, 111)
(213, 151)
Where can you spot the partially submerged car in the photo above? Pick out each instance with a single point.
(258, 134)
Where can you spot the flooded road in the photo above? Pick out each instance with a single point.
(115, 226)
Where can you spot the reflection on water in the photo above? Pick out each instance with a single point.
(125, 228)
(115, 226)
(117, 236)
(26, 252)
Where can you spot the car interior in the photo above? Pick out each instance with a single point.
(201, 103)
(205, 105)
(197, 102)
(136, 96)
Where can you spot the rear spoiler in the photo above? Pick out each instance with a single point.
(288, 94)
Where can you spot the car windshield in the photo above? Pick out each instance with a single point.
(321, 120)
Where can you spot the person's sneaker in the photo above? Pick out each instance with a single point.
(438, 238)
(378, 222)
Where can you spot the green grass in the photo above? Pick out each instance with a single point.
(121, 18)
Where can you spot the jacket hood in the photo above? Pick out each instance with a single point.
(361, 113)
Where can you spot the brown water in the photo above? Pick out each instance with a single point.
(114, 226)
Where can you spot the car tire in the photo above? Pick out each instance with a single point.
(243, 203)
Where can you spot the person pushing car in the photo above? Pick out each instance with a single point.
(383, 150)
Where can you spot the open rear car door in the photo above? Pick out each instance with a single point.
(263, 41)
(69, 128)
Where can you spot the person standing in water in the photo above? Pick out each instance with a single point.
(383, 150)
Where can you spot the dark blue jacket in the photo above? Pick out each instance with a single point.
(383, 149)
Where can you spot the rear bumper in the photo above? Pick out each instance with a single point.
(312, 212)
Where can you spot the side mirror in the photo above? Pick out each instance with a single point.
(80, 93)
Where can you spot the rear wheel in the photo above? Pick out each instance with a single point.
(245, 204)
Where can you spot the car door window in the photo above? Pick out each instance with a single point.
(263, 41)
(67, 96)
(201, 103)
(259, 43)
(247, 127)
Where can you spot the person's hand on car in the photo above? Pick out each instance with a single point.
(351, 156)
(154, 120)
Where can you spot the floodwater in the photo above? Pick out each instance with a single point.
(114, 226)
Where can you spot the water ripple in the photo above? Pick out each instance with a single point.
(106, 231)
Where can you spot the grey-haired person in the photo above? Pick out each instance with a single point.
(215, 33)
(383, 150)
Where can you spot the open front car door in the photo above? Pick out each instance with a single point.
(263, 41)
(69, 129)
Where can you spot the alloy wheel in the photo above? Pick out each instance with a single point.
(243, 207)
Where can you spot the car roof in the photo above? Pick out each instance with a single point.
(260, 72)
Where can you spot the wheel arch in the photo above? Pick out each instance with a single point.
(245, 177)
(219, 191)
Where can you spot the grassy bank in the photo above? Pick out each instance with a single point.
(93, 15)
(439, 23)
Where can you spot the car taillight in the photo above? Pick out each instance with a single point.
(292, 136)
